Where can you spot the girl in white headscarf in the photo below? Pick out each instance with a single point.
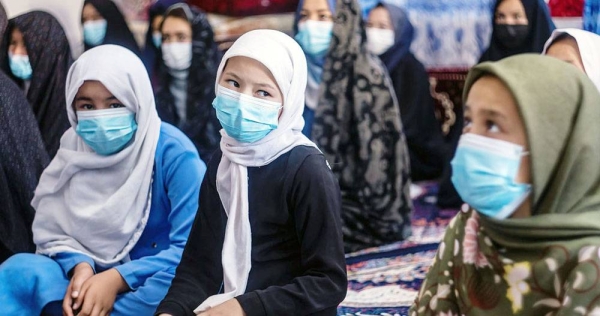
(267, 238)
(578, 47)
(114, 207)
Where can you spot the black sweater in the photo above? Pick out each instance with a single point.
(424, 137)
(298, 264)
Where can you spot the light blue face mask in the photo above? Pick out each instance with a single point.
(483, 173)
(106, 131)
(245, 118)
(314, 37)
(94, 32)
(20, 66)
(157, 39)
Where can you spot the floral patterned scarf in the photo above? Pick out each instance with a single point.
(549, 263)
(358, 128)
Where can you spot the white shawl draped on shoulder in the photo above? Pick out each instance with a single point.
(92, 204)
(286, 61)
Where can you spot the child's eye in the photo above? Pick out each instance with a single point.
(263, 93)
(492, 127)
(116, 106)
(233, 83)
(86, 106)
(324, 17)
(467, 122)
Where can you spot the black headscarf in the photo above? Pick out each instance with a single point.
(151, 54)
(540, 28)
(423, 131)
(202, 125)
(117, 31)
(22, 160)
(50, 56)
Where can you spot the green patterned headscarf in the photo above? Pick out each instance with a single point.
(548, 263)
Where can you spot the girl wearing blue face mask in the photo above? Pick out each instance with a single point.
(356, 123)
(527, 165)
(267, 238)
(36, 55)
(313, 28)
(114, 207)
(103, 23)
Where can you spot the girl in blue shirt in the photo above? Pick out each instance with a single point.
(115, 206)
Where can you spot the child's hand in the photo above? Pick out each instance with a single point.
(229, 308)
(98, 293)
(81, 273)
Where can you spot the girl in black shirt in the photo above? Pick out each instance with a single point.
(267, 237)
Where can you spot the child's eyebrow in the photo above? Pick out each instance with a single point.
(232, 75)
(266, 85)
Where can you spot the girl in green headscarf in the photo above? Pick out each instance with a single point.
(528, 164)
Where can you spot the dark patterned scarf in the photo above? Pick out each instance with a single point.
(50, 56)
(358, 128)
(22, 160)
(201, 125)
(3, 21)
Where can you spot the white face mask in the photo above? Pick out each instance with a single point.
(177, 56)
(379, 40)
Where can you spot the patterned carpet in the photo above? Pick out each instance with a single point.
(385, 280)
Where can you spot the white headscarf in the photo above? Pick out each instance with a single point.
(286, 62)
(92, 204)
(589, 49)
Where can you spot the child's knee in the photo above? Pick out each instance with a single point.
(17, 263)
(25, 267)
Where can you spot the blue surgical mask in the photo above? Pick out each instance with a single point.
(106, 131)
(314, 37)
(157, 39)
(483, 173)
(245, 118)
(94, 32)
(20, 66)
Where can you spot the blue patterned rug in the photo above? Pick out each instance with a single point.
(385, 280)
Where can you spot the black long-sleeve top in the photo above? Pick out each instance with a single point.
(298, 264)
(424, 138)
